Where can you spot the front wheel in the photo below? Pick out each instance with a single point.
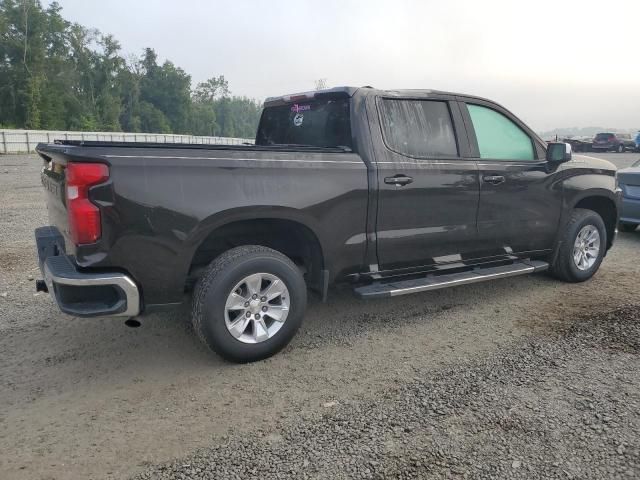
(249, 303)
(582, 248)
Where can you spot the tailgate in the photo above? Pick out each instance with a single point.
(53, 180)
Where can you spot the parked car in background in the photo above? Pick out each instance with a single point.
(638, 141)
(629, 182)
(579, 144)
(616, 142)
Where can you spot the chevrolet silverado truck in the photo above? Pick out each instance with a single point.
(392, 191)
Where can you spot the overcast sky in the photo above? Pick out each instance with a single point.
(555, 63)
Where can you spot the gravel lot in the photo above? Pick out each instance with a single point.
(523, 378)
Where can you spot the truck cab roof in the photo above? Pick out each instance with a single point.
(366, 90)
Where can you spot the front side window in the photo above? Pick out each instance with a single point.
(498, 137)
(418, 128)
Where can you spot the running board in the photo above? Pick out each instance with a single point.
(435, 282)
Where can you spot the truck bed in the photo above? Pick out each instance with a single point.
(162, 201)
(202, 146)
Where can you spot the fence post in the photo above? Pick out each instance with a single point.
(28, 142)
(4, 142)
(48, 138)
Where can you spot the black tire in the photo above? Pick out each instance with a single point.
(564, 267)
(628, 227)
(215, 285)
(620, 148)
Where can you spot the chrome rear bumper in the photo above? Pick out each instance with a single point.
(83, 293)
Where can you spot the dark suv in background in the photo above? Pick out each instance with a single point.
(617, 142)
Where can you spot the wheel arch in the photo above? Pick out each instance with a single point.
(283, 229)
(605, 206)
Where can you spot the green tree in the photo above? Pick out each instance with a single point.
(211, 89)
(55, 74)
(167, 88)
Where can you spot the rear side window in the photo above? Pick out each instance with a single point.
(418, 128)
(498, 137)
(319, 123)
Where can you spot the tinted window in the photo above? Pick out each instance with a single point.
(498, 137)
(418, 128)
(321, 123)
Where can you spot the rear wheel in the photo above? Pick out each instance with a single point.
(628, 227)
(582, 247)
(249, 303)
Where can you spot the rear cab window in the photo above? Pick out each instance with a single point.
(317, 122)
(499, 138)
(418, 128)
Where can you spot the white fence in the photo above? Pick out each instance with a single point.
(24, 141)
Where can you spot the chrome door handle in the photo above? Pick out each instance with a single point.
(399, 180)
(494, 179)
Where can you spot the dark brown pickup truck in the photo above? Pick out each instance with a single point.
(395, 192)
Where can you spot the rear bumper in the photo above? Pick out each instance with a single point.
(79, 292)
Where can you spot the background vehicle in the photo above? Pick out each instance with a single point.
(394, 191)
(579, 144)
(629, 181)
(617, 142)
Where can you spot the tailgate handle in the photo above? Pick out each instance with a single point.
(398, 180)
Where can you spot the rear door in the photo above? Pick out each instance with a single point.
(520, 203)
(427, 185)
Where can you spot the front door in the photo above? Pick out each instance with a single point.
(520, 204)
(428, 190)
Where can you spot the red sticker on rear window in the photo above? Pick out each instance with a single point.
(300, 108)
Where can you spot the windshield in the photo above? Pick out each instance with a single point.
(319, 123)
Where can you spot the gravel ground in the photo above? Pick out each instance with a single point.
(563, 406)
(86, 399)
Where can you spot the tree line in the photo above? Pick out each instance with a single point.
(59, 75)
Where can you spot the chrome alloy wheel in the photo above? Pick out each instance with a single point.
(586, 248)
(256, 308)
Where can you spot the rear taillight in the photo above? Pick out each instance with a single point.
(84, 217)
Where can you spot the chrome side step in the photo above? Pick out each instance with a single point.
(434, 282)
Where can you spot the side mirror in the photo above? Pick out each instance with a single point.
(558, 152)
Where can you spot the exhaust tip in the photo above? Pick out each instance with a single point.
(132, 323)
